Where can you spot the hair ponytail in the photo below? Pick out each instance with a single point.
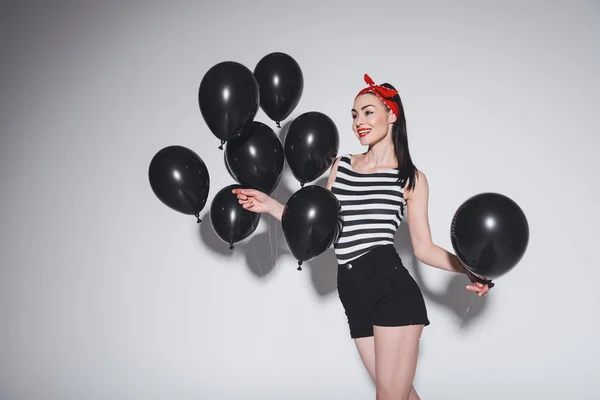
(407, 172)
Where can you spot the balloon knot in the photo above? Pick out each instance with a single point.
(278, 124)
(301, 184)
(231, 246)
(299, 266)
(198, 220)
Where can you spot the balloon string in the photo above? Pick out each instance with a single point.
(270, 241)
(257, 263)
(276, 232)
(469, 307)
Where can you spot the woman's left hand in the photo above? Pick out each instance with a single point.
(479, 288)
(479, 285)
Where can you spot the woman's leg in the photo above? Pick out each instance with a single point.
(366, 349)
(396, 354)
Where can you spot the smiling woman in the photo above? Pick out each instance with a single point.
(376, 109)
(384, 305)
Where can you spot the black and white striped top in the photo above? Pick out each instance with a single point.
(372, 208)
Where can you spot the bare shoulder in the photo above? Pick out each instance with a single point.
(421, 187)
(333, 173)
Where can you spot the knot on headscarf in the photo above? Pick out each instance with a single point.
(385, 94)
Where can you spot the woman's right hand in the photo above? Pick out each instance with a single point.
(254, 200)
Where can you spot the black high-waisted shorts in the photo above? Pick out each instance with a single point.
(376, 289)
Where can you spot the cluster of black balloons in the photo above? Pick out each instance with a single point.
(489, 231)
(229, 96)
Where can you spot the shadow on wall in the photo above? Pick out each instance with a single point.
(463, 304)
(263, 251)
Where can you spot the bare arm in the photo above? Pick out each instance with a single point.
(420, 234)
(332, 173)
(276, 210)
(256, 201)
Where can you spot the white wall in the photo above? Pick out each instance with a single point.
(105, 293)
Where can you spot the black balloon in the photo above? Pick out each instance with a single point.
(311, 145)
(489, 234)
(228, 98)
(310, 222)
(281, 83)
(255, 158)
(230, 221)
(180, 179)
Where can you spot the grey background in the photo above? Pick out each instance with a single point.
(105, 293)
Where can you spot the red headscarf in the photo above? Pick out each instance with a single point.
(384, 94)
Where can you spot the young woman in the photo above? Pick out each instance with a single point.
(385, 308)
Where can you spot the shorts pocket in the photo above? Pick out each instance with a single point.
(400, 278)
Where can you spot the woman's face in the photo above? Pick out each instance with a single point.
(371, 119)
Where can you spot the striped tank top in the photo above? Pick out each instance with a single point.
(372, 208)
